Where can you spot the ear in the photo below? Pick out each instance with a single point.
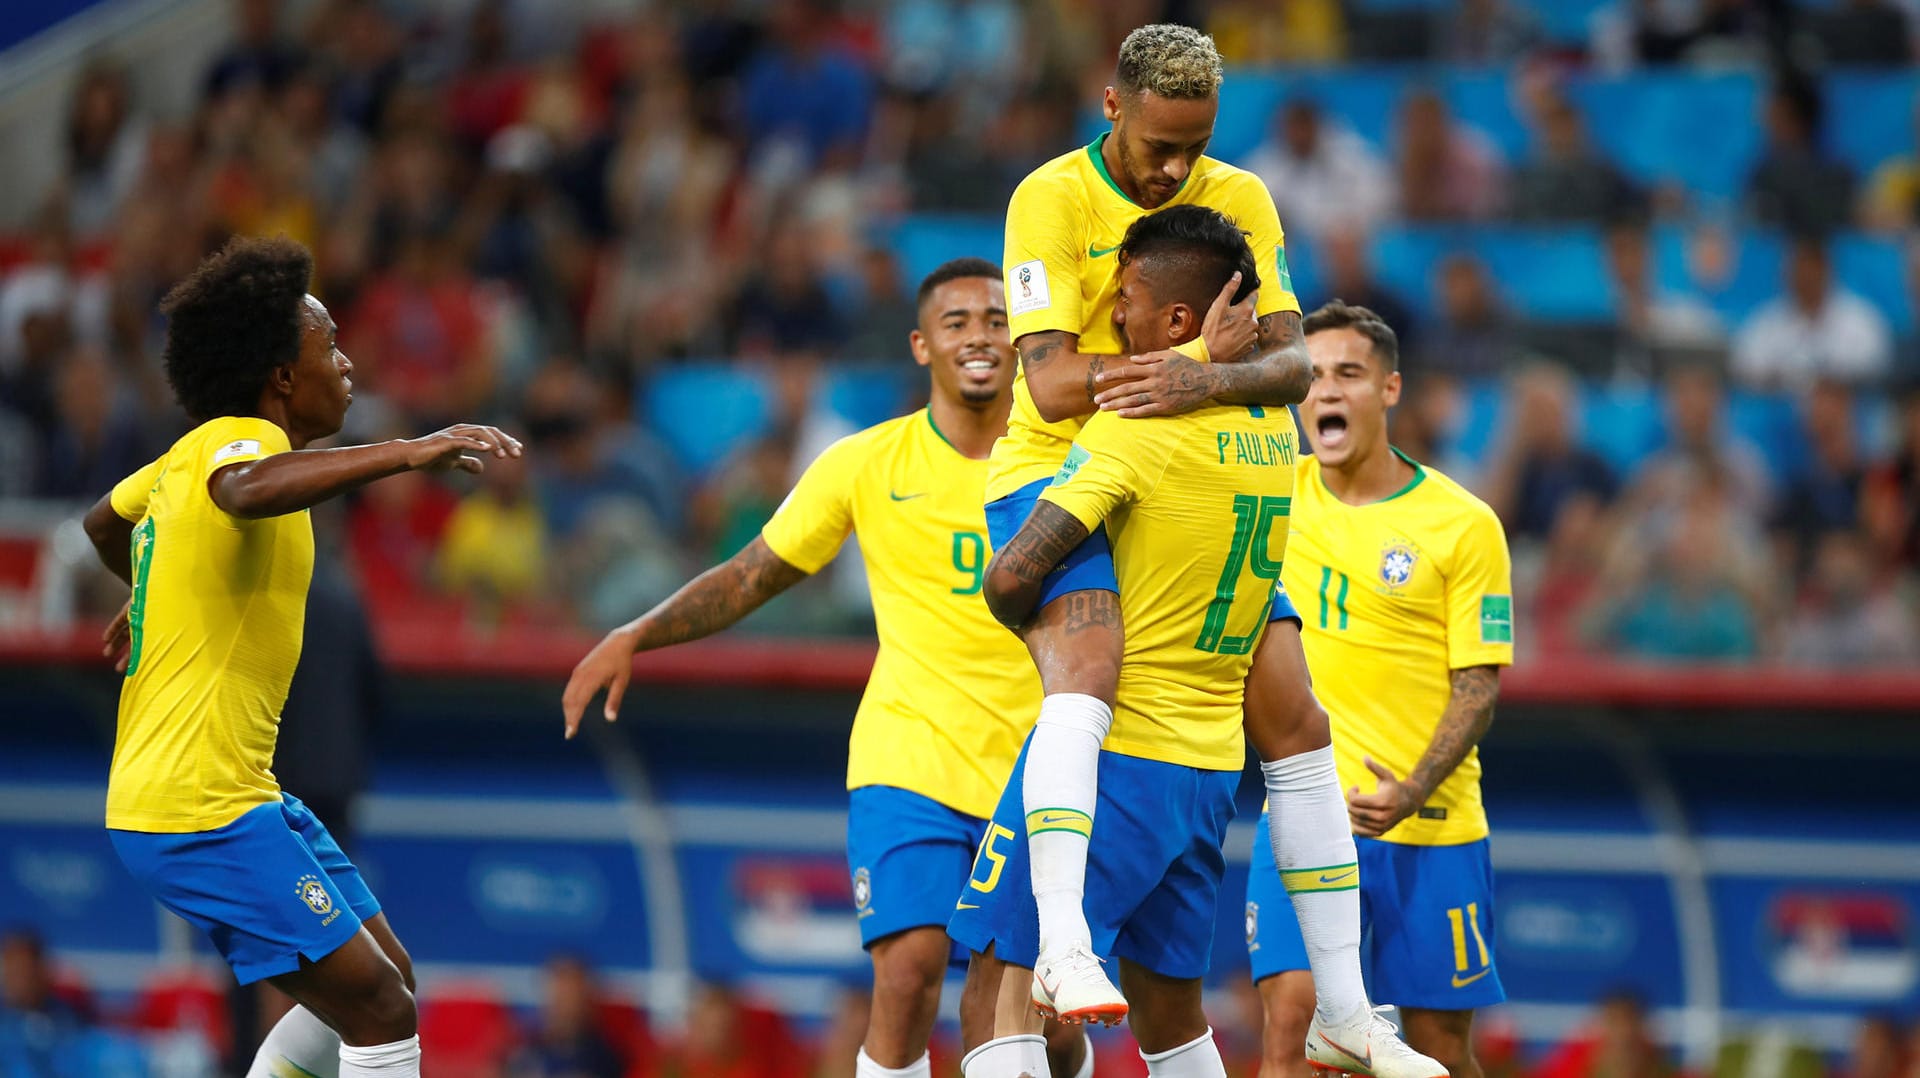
(1183, 322)
(1390, 388)
(282, 378)
(1110, 104)
(918, 344)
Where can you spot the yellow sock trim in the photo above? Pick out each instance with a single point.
(1330, 878)
(1040, 821)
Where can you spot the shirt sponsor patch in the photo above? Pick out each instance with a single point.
(1076, 456)
(243, 447)
(1280, 269)
(1028, 286)
(1496, 619)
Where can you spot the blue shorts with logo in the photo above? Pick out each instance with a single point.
(909, 855)
(1087, 567)
(1282, 608)
(1153, 868)
(1426, 915)
(268, 889)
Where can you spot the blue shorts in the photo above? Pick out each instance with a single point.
(909, 855)
(268, 889)
(1427, 923)
(1153, 868)
(1282, 608)
(1087, 567)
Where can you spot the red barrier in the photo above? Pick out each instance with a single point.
(434, 650)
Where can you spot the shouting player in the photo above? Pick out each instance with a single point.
(1196, 508)
(944, 710)
(1064, 226)
(214, 539)
(1404, 578)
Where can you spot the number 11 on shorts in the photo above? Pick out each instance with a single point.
(1463, 919)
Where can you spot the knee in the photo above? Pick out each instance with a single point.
(379, 1009)
(403, 962)
(1287, 1003)
(901, 972)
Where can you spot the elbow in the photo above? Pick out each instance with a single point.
(1002, 592)
(1056, 402)
(104, 525)
(1296, 375)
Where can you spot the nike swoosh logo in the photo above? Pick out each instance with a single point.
(905, 497)
(1044, 820)
(1462, 982)
(1101, 252)
(1336, 877)
(965, 906)
(1365, 1061)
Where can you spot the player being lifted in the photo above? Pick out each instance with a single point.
(945, 707)
(1404, 577)
(1064, 226)
(215, 541)
(1196, 509)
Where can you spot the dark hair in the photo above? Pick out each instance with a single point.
(1339, 314)
(1199, 248)
(958, 269)
(232, 321)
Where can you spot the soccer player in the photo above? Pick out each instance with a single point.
(1196, 510)
(1064, 226)
(1405, 582)
(944, 710)
(213, 538)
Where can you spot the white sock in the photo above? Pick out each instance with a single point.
(401, 1059)
(1058, 788)
(298, 1044)
(1020, 1056)
(865, 1067)
(1198, 1058)
(1086, 1063)
(1313, 846)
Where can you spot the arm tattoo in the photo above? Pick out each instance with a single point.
(1276, 372)
(1037, 348)
(1469, 713)
(1095, 364)
(1014, 576)
(719, 597)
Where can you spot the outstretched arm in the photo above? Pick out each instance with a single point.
(1013, 577)
(1469, 713)
(707, 604)
(289, 482)
(1277, 372)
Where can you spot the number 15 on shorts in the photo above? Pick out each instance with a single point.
(1470, 961)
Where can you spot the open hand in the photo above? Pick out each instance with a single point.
(116, 643)
(1390, 802)
(1157, 383)
(608, 666)
(1231, 329)
(450, 449)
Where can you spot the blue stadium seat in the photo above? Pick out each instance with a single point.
(1483, 404)
(869, 393)
(1700, 130)
(1876, 268)
(1772, 424)
(1870, 116)
(1622, 424)
(706, 411)
(924, 240)
(1551, 275)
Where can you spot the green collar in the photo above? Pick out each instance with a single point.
(1419, 477)
(1100, 166)
(937, 432)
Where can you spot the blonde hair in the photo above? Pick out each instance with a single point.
(1169, 60)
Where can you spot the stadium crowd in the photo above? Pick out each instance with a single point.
(542, 220)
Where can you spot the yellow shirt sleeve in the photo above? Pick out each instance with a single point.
(129, 497)
(1253, 210)
(1044, 233)
(1480, 596)
(808, 528)
(1108, 468)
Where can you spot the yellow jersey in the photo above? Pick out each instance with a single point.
(1064, 226)
(1395, 596)
(1196, 507)
(219, 604)
(952, 693)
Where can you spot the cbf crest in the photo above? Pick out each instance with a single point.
(1253, 926)
(314, 894)
(1397, 563)
(862, 890)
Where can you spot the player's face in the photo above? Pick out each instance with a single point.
(1143, 322)
(963, 340)
(1345, 412)
(1158, 139)
(321, 386)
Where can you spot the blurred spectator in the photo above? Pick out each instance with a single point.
(1879, 1049)
(1565, 181)
(1673, 596)
(45, 304)
(1657, 327)
(1891, 199)
(1848, 617)
(393, 528)
(784, 308)
(1322, 175)
(1704, 32)
(104, 148)
(567, 1042)
(1823, 497)
(1861, 33)
(1347, 273)
(361, 46)
(806, 100)
(97, 438)
(725, 1038)
(743, 494)
(1798, 186)
(1617, 1043)
(332, 152)
(1538, 467)
(1472, 335)
(337, 696)
(1426, 424)
(1278, 31)
(887, 314)
(1486, 33)
(1890, 498)
(489, 89)
(1447, 172)
(1701, 457)
(19, 455)
(259, 59)
(43, 1032)
(846, 1033)
(418, 336)
(967, 51)
(494, 553)
(1816, 328)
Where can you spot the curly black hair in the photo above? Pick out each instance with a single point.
(1195, 249)
(232, 321)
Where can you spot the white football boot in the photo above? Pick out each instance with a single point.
(1070, 987)
(1366, 1044)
